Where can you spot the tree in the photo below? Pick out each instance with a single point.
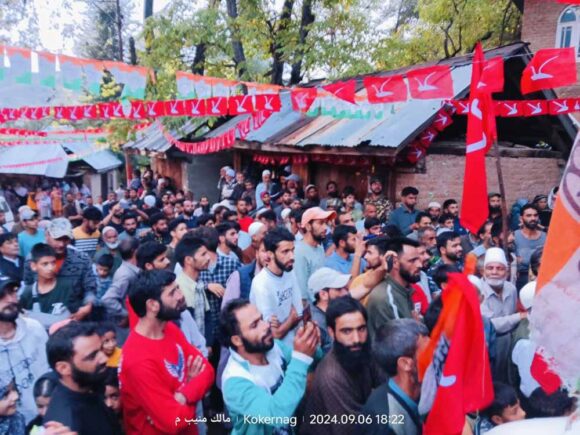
(19, 23)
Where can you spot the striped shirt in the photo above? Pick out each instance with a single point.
(86, 243)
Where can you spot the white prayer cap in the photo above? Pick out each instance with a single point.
(527, 294)
(495, 255)
(150, 201)
(285, 213)
(266, 172)
(255, 227)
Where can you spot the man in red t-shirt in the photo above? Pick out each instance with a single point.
(243, 219)
(162, 376)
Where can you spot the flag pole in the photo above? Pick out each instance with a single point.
(504, 215)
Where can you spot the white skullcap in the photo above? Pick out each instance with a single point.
(527, 294)
(495, 255)
(150, 201)
(266, 172)
(230, 172)
(285, 213)
(255, 228)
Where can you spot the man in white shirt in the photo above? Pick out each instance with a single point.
(275, 291)
(500, 306)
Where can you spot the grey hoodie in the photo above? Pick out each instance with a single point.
(23, 358)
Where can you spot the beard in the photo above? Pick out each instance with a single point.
(531, 225)
(231, 245)
(282, 266)
(10, 313)
(131, 232)
(495, 210)
(93, 381)
(264, 345)
(352, 360)
(406, 275)
(349, 249)
(454, 256)
(333, 194)
(169, 314)
(319, 237)
(495, 282)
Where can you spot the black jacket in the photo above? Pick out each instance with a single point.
(8, 268)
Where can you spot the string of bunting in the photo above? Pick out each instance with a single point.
(223, 141)
(140, 110)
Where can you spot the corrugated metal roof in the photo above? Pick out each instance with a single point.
(152, 139)
(48, 161)
(101, 160)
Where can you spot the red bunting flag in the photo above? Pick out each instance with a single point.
(509, 109)
(385, 89)
(343, 90)
(431, 82)
(442, 120)
(302, 98)
(35, 113)
(174, 108)
(268, 102)
(154, 109)
(415, 153)
(536, 108)
(241, 104)
(195, 107)
(561, 106)
(492, 76)
(461, 106)
(217, 106)
(481, 131)
(137, 110)
(428, 136)
(550, 68)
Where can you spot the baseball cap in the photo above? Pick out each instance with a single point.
(264, 193)
(60, 227)
(6, 281)
(325, 277)
(27, 215)
(434, 204)
(316, 213)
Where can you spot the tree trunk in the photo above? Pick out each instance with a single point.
(237, 46)
(305, 22)
(198, 64)
(147, 9)
(132, 51)
(277, 60)
(120, 30)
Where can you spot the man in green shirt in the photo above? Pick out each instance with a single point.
(391, 299)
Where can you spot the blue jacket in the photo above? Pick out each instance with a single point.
(254, 409)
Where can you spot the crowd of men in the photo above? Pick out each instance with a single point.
(272, 311)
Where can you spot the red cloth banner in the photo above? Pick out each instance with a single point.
(492, 76)
(302, 98)
(431, 82)
(550, 68)
(385, 89)
(342, 90)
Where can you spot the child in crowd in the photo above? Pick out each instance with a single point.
(42, 391)
(102, 269)
(112, 394)
(505, 408)
(48, 299)
(11, 421)
(108, 336)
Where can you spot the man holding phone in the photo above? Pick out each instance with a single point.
(275, 291)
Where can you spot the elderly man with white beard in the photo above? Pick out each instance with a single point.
(500, 306)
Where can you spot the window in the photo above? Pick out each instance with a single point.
(568, 33)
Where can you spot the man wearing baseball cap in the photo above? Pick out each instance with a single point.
(71, 265)
(31, 235)
(23, 342)
(310, 254)
(326, 284)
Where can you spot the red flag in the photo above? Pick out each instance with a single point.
(385, 89)
(174, 108)
(302, 98)
(241, 104)
(481, 132)
(561, 106)
(508, 109)
(217, 106)
(267, 102)
(548, 380)
(428, 136)
(492, 76)
(461, 106)
(343, 90)
(431, 82)
(137, 110)
(155, 109)
(195, 107)
(454, 366)
(415, 152)
(36, 113)
(550, 68)
(536, 108)
(442, 120)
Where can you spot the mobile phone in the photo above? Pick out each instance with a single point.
(306, 315)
